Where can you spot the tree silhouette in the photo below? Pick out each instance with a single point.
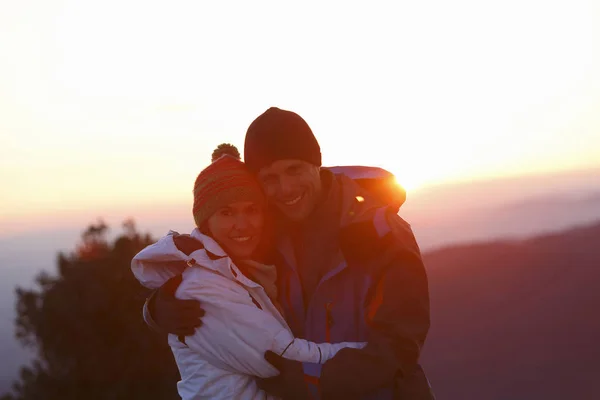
(86, 326)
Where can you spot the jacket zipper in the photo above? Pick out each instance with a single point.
(328, 306)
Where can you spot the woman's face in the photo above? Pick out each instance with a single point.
(238, 228)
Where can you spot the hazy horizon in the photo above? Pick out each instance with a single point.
(435, 200)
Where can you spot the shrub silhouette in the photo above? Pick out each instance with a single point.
(86, 326)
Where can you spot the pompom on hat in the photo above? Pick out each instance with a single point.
(226, 180)
(225, 149)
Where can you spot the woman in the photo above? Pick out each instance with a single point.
(243, 319)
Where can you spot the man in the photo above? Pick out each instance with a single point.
(349, 269)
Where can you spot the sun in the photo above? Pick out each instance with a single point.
(413, 175)
(409, 180)
(407, 183)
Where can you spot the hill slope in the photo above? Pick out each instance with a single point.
(516, 320)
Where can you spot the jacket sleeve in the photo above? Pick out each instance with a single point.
(398, 321)
(236, 331)
(309, 352)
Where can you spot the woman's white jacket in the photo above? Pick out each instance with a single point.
(222, 358)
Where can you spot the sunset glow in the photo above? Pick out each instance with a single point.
(120, 103)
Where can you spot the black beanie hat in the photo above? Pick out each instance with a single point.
(279, 135)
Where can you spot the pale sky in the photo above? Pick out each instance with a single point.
(119, 103)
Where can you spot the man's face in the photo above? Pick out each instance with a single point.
(293, 186)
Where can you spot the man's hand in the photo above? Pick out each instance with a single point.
(289, 384)
(180, 317)
(187, 244)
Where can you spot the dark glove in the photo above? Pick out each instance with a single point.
(187, 244)
(289, 384)
(180, 317)
(172, 315)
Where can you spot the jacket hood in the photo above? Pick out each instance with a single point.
(362, 213)
(357, 204)
(159, 262)
(379, 182)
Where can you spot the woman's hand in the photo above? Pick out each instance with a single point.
(187, 244)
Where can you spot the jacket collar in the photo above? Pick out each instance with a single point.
(213, 257)
(209, 243)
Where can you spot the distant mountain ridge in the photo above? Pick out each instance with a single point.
(444, 225)
(516, 319)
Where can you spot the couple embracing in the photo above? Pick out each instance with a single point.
(298, 282)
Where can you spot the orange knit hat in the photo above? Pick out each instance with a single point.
(226, 180)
